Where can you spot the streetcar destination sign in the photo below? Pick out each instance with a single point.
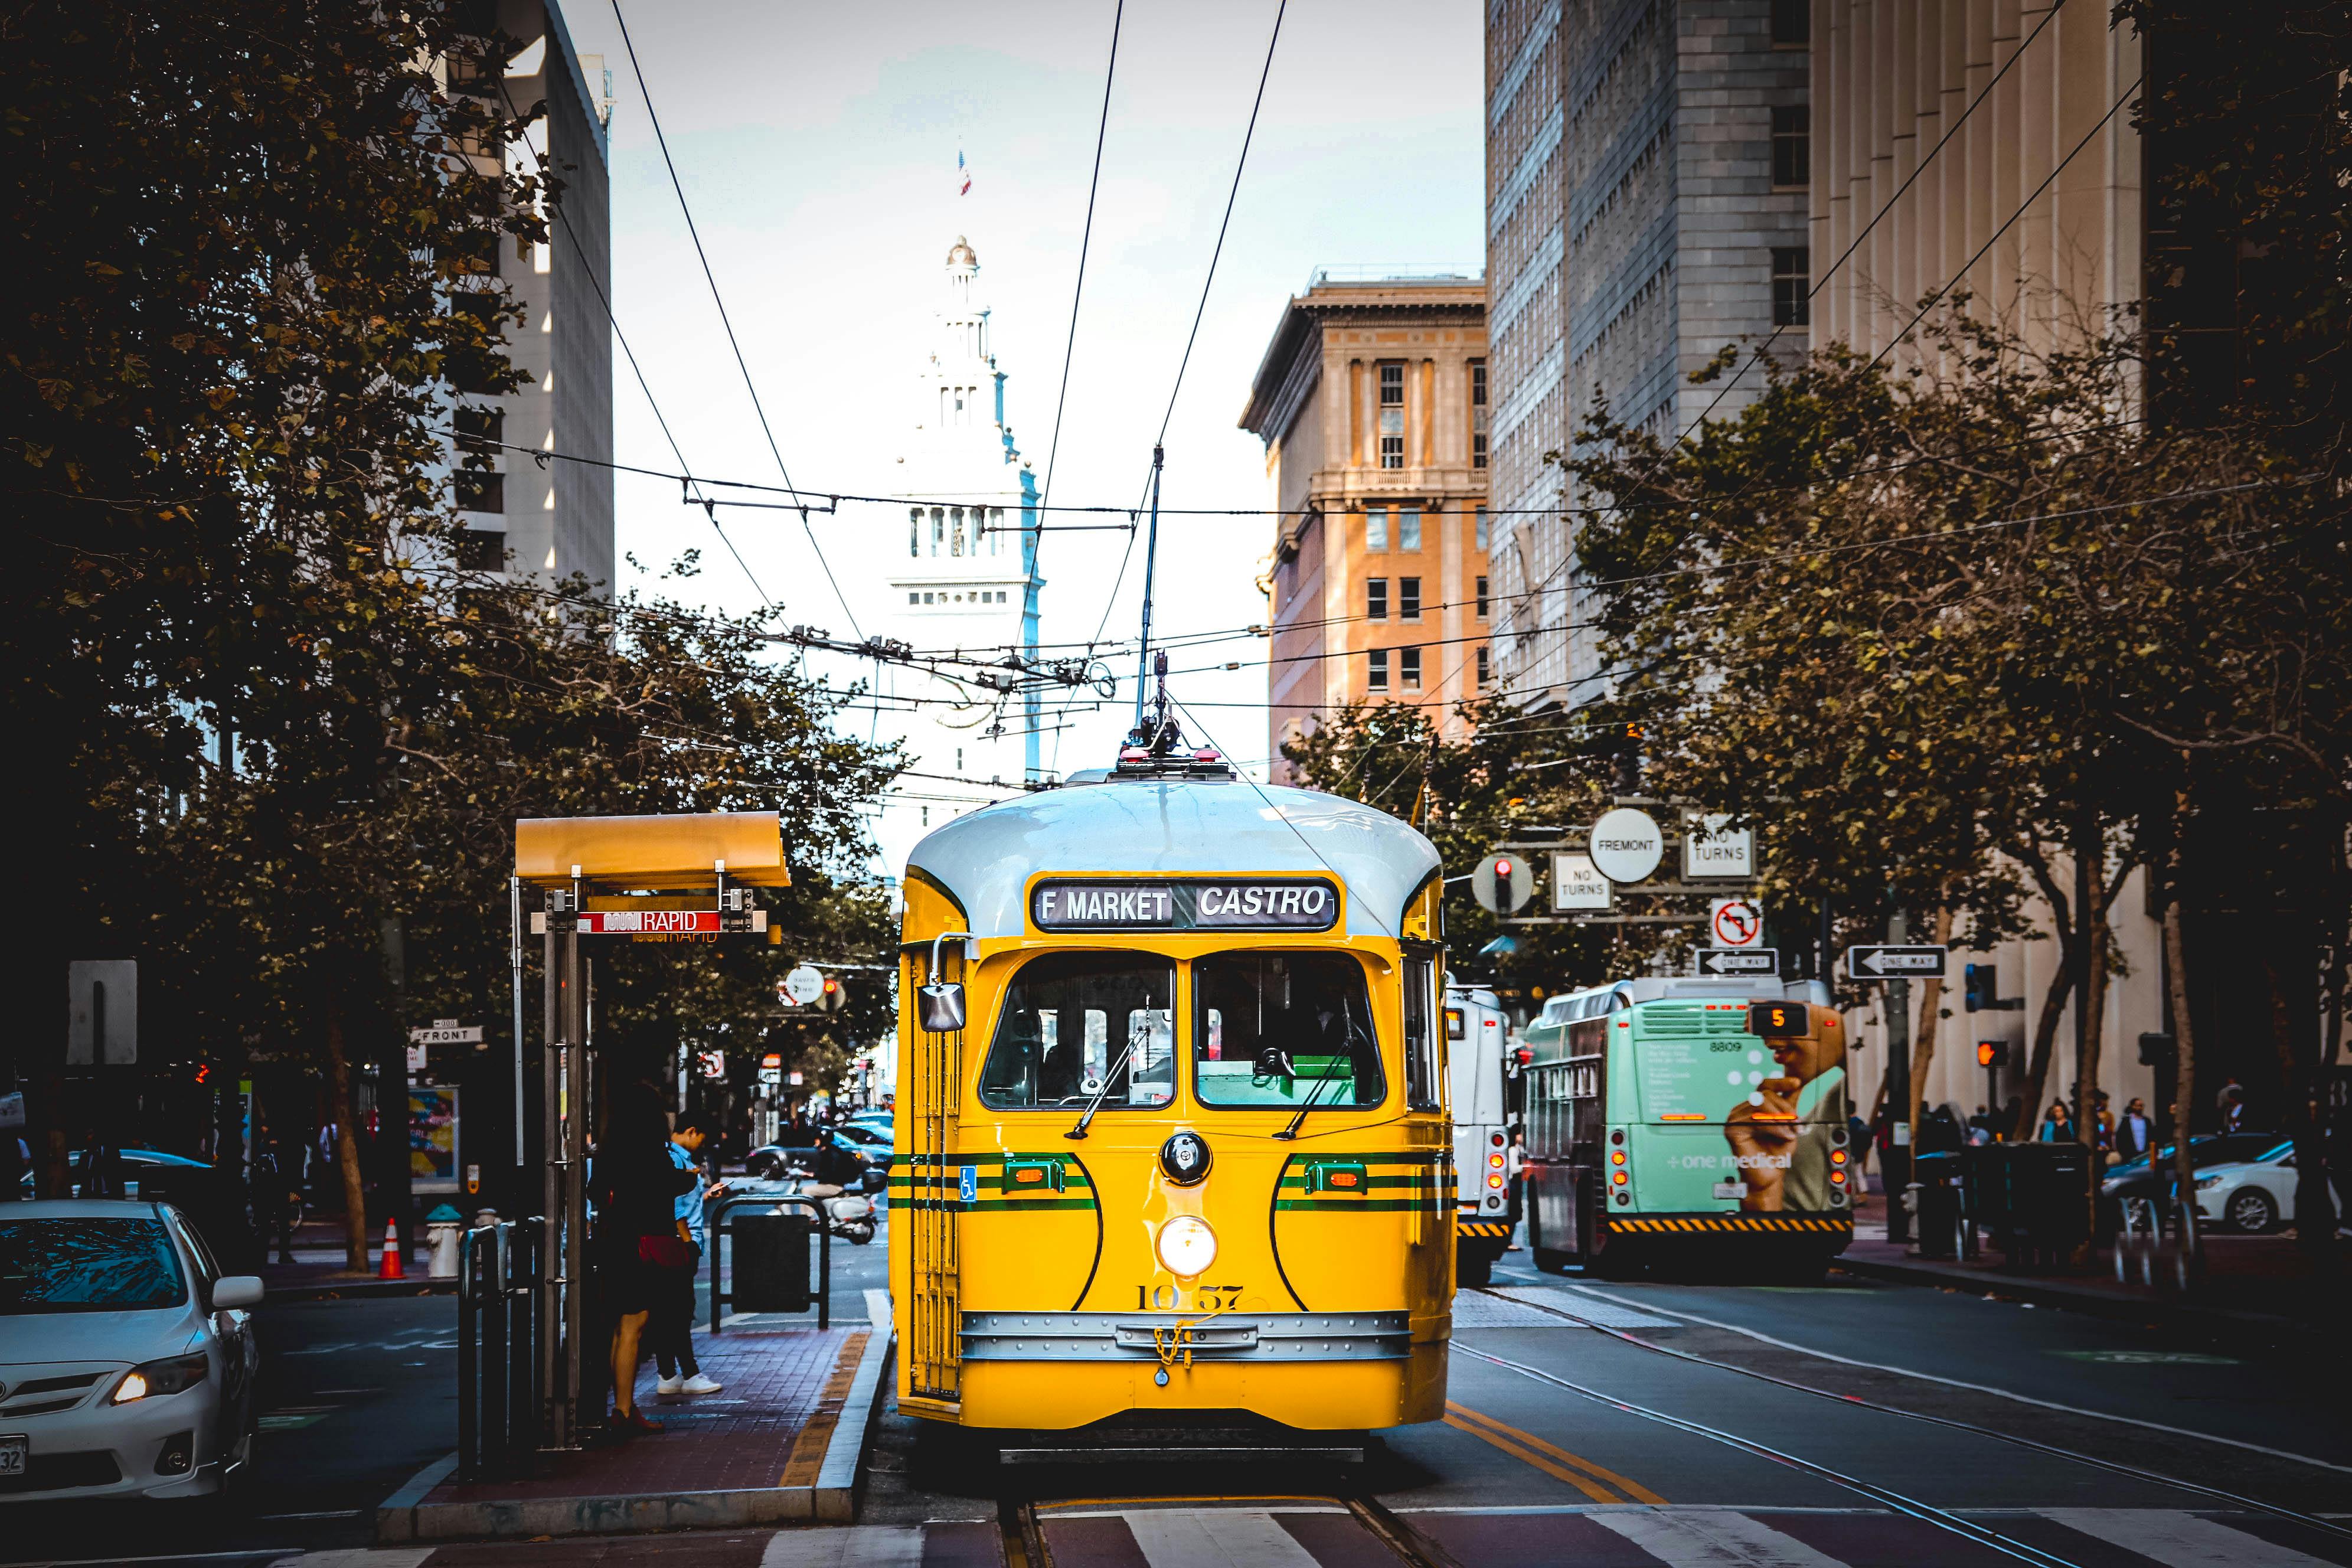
(1893, 963)
(1220, 903)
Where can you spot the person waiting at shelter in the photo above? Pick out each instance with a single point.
(672, 1320)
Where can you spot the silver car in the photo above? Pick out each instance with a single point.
(127, 1358)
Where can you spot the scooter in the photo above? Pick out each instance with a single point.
(849, 1215)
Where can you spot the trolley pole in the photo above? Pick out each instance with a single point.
(1151, 562)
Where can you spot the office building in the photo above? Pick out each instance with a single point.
(552, 521)
(1372, 403)
(1646, 189)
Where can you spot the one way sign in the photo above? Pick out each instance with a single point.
(1720, 960)
(1893, 963)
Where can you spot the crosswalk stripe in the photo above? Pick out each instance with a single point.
(1710, 1537)
(1215, 1538)
(865, 1545)
(2178, 1539)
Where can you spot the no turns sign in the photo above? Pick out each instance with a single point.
(1737, 922)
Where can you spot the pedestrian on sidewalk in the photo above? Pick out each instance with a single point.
(2057, 1125)
(2136, 1132)
(640, 1245)
(1515, 1168)
(673, 1320)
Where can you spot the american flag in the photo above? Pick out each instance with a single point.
(963, 175)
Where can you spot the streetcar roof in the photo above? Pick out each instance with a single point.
(1176, 827)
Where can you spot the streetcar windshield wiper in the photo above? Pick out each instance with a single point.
(1330, 1068)
(1095, 1103)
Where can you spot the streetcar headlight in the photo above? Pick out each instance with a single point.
(1186, 1246)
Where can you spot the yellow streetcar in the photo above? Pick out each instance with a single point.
(1172, 1119)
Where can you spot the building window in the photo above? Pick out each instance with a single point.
(1479, 531)
(1376, 598)
(1486, 668)
(1409, 598)
(1409, 528)
(914, 598)
(1792, 24)
(1378, 678)
(1409, 662)
(939, 530)
(1793, 156)
(1791, 274)
(1482, 602)
(914, 532)
(480, 429)
(480, 492)
(482, 550)
(1392, 416)
(1376, 531)
(1479, 416)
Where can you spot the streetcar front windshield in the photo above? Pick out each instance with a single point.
(1283, 1027)
(1075, 1023)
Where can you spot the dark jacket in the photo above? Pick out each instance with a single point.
(635, 1193)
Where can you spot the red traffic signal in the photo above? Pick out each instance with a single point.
(1502, 883)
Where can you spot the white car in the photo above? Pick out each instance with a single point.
(127, 1358)
(2252, 1196)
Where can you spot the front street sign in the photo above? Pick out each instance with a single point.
(1893, 963)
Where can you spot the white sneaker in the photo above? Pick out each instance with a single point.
(698, 1383)
(672, 1385)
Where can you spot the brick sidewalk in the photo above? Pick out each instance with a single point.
(770, 1422)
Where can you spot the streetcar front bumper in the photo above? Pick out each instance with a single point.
(1145, 1337)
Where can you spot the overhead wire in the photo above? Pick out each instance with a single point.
(719, 299)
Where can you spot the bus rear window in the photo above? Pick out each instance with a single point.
(1282, 1028)
(1075, 1022)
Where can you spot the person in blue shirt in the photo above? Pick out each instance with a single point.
(673, 1336)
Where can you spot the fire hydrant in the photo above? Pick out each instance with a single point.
(442, 1228)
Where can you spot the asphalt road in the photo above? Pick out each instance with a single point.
(1565, 1443)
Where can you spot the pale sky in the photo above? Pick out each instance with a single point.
(817, 144)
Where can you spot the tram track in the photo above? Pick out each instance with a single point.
(2112, 1466)
(1886, 1497)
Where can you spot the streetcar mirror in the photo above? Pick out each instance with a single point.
(1275, 1062)
(940, 1006)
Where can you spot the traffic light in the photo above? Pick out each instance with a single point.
(1983, 988)
(1991, 1053)
(1503, 882)
(832, 998)
(2157, 1047)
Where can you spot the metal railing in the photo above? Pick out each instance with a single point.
(497, 1384)
(717, 1223)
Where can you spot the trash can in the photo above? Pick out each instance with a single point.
(442, 1228)
(1939, 1219)
(770, 1254)
(2034, 1198)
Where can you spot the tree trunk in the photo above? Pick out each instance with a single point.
(347, 1149)
(2184, 1039)
(2088, 1121)
(2304, 1102)
(2045, 1037)
(1923, 1041)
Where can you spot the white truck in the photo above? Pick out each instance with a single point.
(1475, 1042)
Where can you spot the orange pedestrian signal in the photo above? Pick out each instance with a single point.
(1992, 1053)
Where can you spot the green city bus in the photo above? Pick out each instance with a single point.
(1685, 1117)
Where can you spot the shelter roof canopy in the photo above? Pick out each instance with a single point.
(665, 854)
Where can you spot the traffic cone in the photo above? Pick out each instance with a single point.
(393, 1267)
